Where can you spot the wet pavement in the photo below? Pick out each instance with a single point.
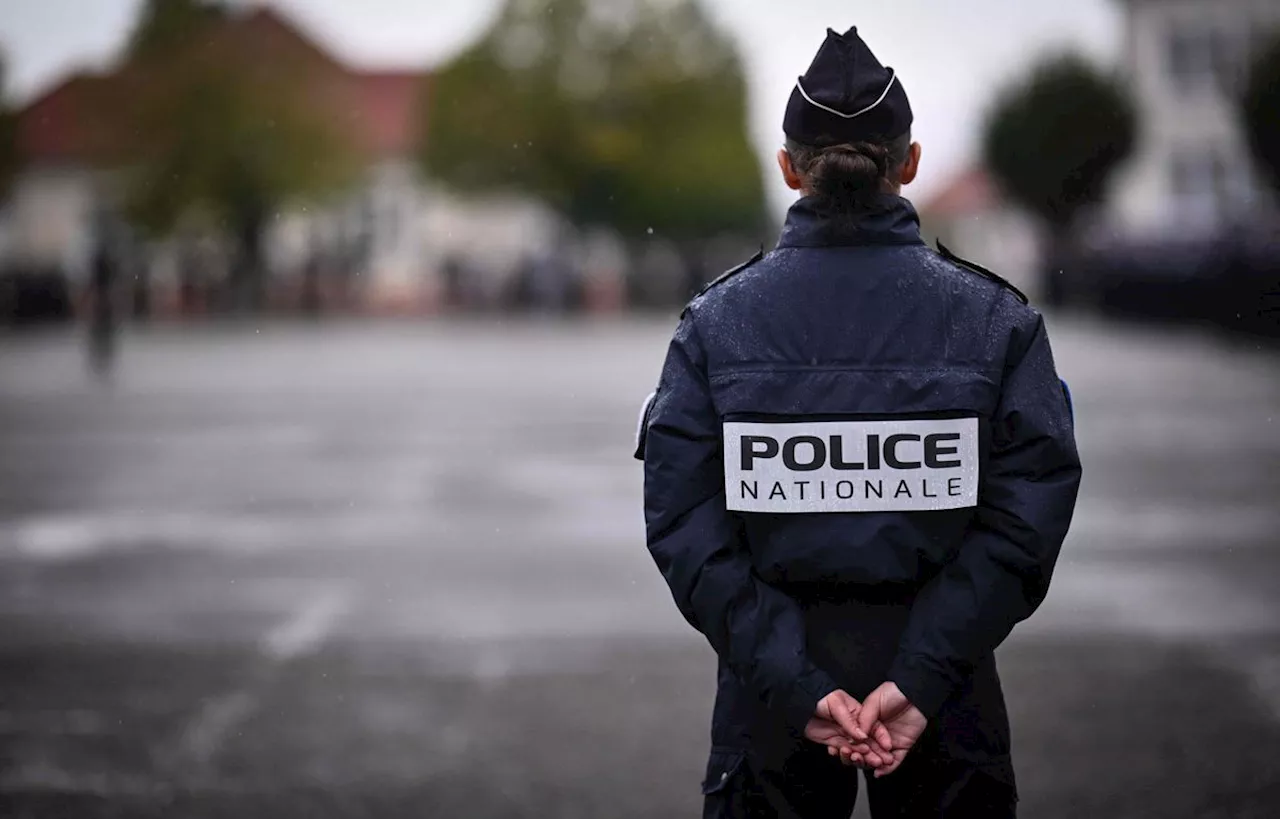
(398, 571)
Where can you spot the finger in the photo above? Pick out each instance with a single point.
(856, 759)
(882, 737)
(854, 729)
(868, 717)
(893, 764)
(844, 716)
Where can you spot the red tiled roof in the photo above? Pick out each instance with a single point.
(383, 108)
(971, 191)
(56, 127)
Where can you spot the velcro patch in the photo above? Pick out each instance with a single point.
(901, 465)
(642, 424)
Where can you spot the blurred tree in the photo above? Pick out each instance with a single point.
(218, 129)
(8, 137)
(1260, 107)
(165, 24)
(1053, 141)
(630, 114)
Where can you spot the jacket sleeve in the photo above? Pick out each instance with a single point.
(1001, 572)
(698, 546)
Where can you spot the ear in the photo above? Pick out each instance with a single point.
(911, 166)
(789, 174)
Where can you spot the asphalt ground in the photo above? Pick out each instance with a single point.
(397, 570)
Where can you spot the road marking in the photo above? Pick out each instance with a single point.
(299, 635)
(1102, 524)
(307, 628)
(69, 536)
(206, 732)
(43, 777)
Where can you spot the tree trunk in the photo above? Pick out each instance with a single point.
(1057, 271)
(141, 290)
(188, 280)
(311, 301)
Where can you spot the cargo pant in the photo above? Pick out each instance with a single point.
(809, 784)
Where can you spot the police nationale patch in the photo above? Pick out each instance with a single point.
(901, 465)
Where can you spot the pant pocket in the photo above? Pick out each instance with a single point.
(722, 766)
(722, 789)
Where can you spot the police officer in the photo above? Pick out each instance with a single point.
(859, 469)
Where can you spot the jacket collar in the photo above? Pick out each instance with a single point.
(888, 220)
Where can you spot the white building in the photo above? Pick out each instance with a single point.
(973, 219)
(1186, 62)
(1191, 174)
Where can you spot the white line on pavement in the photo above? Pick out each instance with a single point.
(204, 735)
(307, 628)
(300, 634)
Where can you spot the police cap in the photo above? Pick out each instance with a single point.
(846, 96)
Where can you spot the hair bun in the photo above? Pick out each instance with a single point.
(849, 171)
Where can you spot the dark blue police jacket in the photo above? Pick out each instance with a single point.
(859, 466)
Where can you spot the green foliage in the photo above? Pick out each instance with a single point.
(626, 114)
(1260, 107)
(166, 24)
(223, 147)
(219, 137)
(1054, 140)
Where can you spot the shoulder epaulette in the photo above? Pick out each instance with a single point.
(980, 270)
(724, 277)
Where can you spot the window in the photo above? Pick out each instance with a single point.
(1200, 58)
(1187, 61)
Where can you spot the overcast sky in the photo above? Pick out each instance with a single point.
(952, 55)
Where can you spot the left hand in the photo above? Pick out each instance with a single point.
(825, 732)
(903, 722)
(842, 709)
(850, 751)
(835, 724)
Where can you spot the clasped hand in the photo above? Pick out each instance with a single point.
(876, 734)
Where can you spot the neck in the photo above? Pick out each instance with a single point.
(887, 186)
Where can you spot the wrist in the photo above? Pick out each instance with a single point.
(925, 688)
(811, 688)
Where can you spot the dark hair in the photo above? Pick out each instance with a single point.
(848, 176)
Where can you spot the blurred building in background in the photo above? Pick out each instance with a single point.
(544, 167)
(1186, 227)
(971, 216)
(328, 186)
(68, 180)
(1187, 61)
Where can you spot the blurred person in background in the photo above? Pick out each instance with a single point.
(860, 467)
(104, 275)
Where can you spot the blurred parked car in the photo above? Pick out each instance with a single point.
(1230, 280)
(34, 295)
